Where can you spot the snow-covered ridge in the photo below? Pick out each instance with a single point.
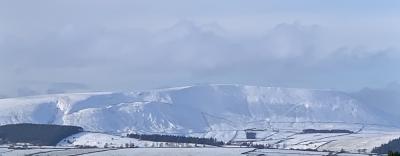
(189, 109)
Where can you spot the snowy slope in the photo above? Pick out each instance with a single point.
(103, 140)
(187, 110)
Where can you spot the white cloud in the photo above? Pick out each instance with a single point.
(134, 45)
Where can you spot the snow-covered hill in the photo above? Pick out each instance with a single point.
(188, 110)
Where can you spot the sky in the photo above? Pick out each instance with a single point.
(49, 46)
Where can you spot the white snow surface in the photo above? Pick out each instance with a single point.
(277, 115)
(187, 110)
(100, 140)
(175, 152)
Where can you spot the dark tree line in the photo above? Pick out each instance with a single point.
(391, 153)
(176, 139)
(327, 131)
(36, 134)
(392, 147)
(258, 146)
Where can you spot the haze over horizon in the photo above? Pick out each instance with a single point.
(66, 46)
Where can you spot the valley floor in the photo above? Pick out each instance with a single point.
(164, 151)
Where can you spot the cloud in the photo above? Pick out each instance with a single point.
(26, 92)
(65, 87)
(114, 47)
(385, 100)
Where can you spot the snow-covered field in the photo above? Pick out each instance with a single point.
(12, 152)
(361, 142)
(364, 138)
(102, 140)
(168, 151)
(281, 152)
(176, 152)
(331, 142)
